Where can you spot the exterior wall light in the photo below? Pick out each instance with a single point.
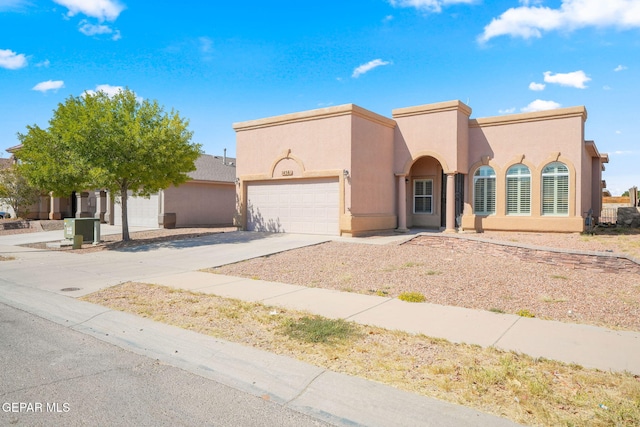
(345, 173)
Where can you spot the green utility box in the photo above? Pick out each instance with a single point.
(88, 228)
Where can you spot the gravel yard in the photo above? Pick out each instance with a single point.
(450, 276)
(469, 279)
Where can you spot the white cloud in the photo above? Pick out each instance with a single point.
(537, 86)
(48, 85)
(529, 21)
(364, 68)
(427, 5)
(11, 60)
(575, 79)
(618, 132)
(387, 18)
(107, 89)
(89, 29)
(103, 10)
(606, 87)
(110, 91)
(620, 68)
(507, 111)
(540, 105)
(44, 64)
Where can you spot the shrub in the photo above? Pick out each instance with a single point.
(412, 297)
(525, 313)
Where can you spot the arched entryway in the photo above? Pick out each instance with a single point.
(429, 195)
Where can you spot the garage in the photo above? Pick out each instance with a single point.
(142, 212)
(304, 206)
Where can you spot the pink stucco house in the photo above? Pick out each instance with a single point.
(345, 170)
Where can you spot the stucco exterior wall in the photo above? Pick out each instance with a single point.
(201, 203)
(316, 141)
(535, 140)
(433, 129)
(370, 181)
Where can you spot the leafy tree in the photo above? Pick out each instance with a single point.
(17, 191)
(114, 142)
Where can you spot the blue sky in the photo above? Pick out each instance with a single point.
(223, 62)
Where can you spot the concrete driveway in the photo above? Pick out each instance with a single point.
(89, 272)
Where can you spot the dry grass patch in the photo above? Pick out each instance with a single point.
(526, 390)
(6, 258)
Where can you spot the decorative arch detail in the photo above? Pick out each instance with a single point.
(486, 161)
(286, 155)
(557, 157)
(407, 166)
(520, 159)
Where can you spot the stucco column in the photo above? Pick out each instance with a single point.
(109, 206)
(402, 204)
(54, 212)
(100, 205)
(82, 205)
(451, 204)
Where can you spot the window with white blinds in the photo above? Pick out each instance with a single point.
(423, 196)
(555, 189)
(484, 191)
(518, 190)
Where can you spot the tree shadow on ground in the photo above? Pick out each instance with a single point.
(187, 241)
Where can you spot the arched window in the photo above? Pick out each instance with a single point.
(518, 190)
(484, 191)
(555, 189)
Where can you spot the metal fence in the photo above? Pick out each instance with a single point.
(608, 215)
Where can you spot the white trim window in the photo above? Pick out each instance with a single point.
(518, 190)
(484, 191)
(555, 189)
(423, 196)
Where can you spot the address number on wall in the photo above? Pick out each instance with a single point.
(287, 173)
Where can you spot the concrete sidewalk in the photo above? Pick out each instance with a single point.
(585, 345)
(338, 399)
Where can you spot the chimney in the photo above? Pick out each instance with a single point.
(224, 159)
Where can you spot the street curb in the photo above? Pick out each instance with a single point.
(335, 398)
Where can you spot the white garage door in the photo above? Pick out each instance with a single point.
(142, 212)
(308, 206)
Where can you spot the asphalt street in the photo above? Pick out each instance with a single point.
(53, 376)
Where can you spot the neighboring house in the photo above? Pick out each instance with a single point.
(345, 170)
(208, 198)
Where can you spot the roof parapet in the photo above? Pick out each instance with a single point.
(321, 113)
(559, 113)
(432, 108)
